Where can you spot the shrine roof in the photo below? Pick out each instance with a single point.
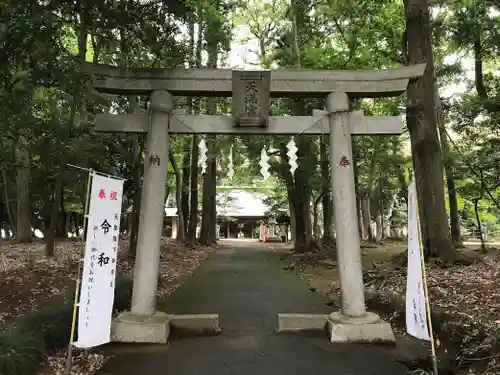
(235, 203)
(239, 203)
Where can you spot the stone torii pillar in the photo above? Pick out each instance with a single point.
(344, 198)
(142, 323)
(352, 323)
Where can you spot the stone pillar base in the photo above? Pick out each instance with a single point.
(131, 328)
(368, 328)
(301, 322)
(195, 324)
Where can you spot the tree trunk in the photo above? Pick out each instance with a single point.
(178, 197)
(307, 162)
(62, 227)
(23, 230)
(50, 232)
(482, 93)
(291, 208)
(300, 189)
(479, 225)
(316, 229)
(326, 196)
(367, 202)
(193, 214)
(362, 233)
(186, 176)
(213, 200)
(456, 235)
(327, 218)
(478, 63)
(421, 122)
(386, 228)
(209, 209)
(386, 224)
(82, 53)
(6, 185)
(301, 200)
(186, 160)
(207, 217)
(299, 194)
(208, 222)
(138, 145)
(367, 218)
(380, 207)
(378, 226)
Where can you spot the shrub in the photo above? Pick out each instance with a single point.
(23, 346)
(20, 352)
(123, 294)
(52, 323)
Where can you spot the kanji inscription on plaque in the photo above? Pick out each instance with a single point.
(251, 99)
(251, 92)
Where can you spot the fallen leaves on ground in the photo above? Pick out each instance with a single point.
(29, 280)
(469, 294)
(84, 363)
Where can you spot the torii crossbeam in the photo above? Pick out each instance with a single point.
(284, 83)
(278, 125)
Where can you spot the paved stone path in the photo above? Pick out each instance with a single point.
(247, 286)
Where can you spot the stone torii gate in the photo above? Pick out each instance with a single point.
(251, 91)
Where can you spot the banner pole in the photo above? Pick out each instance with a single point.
(96, 172)
(426, 292)
(69, 354)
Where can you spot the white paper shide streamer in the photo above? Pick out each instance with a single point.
(416, 313)
(264, 164)
(292, 156)
(99, 264)
(230, 166)
(202, 161)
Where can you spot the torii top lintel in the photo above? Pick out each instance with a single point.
(283, 83)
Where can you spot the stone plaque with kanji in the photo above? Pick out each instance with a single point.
(251, 98)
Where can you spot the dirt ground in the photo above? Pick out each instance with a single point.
(29, 280)
(469, 294)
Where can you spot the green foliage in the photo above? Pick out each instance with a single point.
(278, 199)
(123, 293)
(53, 323)
(20, 352)
(23, 346)
(46, 102)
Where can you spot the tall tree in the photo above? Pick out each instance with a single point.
(197, 54)
(421, 122)
(216, 37)
(327, 201)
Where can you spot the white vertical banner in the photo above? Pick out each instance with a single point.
(99, 264)
(416, 312)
